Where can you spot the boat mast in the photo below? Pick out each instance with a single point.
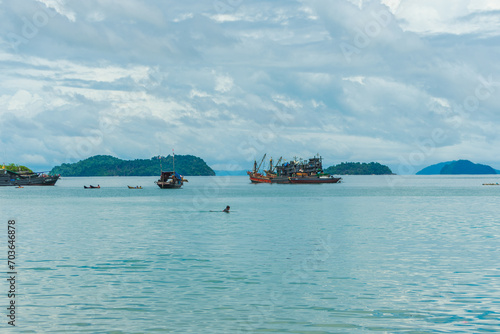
(173, 159)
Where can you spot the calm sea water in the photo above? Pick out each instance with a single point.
(375, 254)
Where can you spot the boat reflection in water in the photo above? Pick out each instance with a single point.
(296, 171)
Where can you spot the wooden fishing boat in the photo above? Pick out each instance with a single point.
(170, 180)
(296, 171)
(136, 187)
(92, 187)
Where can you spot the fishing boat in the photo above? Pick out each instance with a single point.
(136, 187)
(296, 171)
(11, 178)
(170, 179)
(92, 187)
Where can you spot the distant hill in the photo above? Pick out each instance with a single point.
(466, 167)
(106, 165)
(358, 168)
(459, 167)
(434, 169)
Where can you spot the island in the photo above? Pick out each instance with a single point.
(458, 167)
(106, 165)
(358, 168)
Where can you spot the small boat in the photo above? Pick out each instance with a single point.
(19, 187)
(136, 187)
(491, 184)
(170, 180)
(92, 187)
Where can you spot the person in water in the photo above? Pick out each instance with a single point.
(226, 209)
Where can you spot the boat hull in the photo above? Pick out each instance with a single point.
(166, 185)
(267, 179)
(8, 178)
(314, 180)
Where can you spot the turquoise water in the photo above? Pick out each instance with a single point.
(375, 254)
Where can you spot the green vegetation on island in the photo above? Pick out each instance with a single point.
(459, 167)
(17, 168)
(105, 165)
(358, 168)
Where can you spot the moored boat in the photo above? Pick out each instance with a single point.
(136, 187)
(296, 171)
(92, 187)
(11, 178)
(170, 180)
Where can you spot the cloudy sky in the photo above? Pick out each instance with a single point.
(406, 83)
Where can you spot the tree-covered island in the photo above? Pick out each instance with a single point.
(106, 165)
(358, 168)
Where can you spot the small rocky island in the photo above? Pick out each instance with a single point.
(106, 165)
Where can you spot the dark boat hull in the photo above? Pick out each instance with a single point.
(8, 178)
(166, 185)
(314, 180)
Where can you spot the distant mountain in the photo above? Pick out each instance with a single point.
(459, 167)
(434, 169)
(466, 167)
(358, 168)
(106, 165)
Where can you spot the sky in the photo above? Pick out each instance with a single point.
(406, 83)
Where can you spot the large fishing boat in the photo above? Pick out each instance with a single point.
(295, 171)
(11, 178)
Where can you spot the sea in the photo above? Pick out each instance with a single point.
(373, 254)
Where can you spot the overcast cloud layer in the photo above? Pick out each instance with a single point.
(406, 83)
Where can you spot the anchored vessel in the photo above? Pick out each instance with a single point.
(296, 171)
(170, 180)
(10, 178)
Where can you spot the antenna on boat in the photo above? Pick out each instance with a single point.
(173, 159)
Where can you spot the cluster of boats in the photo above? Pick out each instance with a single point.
(296, 171)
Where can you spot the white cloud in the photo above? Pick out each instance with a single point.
(223, 83)
(60, 7)
(211, 82)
